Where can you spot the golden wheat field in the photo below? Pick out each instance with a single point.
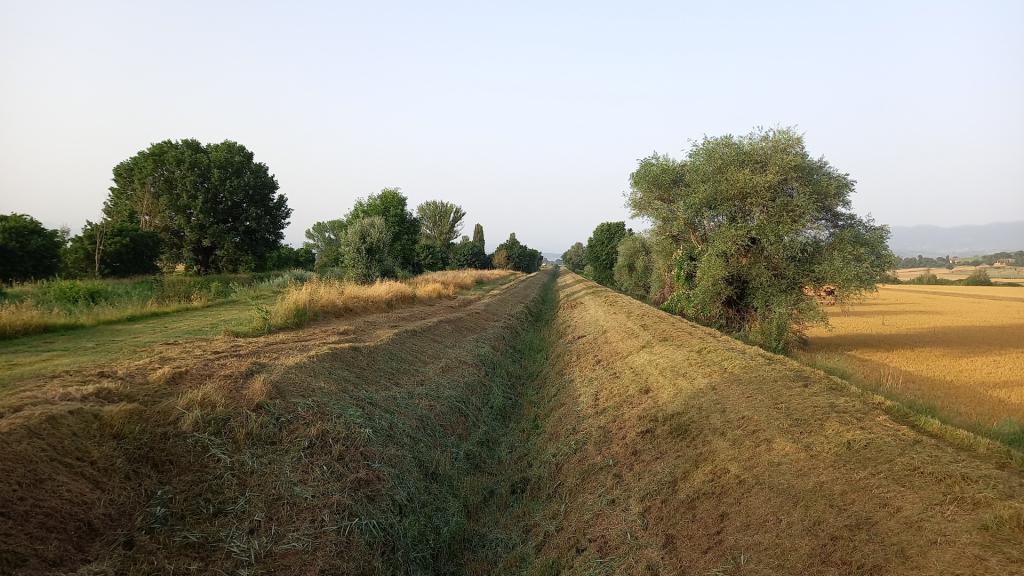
(954, 350)
(998, 274)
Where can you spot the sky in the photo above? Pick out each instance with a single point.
(529, 114)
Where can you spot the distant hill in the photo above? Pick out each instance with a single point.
(957, 240)
(551, 256)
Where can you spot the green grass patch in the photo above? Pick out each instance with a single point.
(55, 305)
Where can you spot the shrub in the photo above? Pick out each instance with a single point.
(367, 250)
(69, 293)
(925, 278)
(977, 278)
(633, 268)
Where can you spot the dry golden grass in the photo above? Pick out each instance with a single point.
(338, 297)
(996, 273)
(461, 279)
(954, 350)
(334, 298)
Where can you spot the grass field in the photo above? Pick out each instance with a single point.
(953, 352)
(998, 274)
(55, 305)
(534, 425)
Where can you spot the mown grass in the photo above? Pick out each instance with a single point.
(113, 343)
(673, 448)
(55, 305)
(393, 458)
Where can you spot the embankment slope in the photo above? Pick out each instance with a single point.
(668, 448)
(354, 446)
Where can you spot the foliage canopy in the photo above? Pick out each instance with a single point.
(514, 255)
(759, 227)
(28, 250)
(112, 249)
(603, 249)
(575, 258)
(214, 207)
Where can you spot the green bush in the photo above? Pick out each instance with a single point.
(977, 278)
(69, 293)
(929, 279)
(633, 267)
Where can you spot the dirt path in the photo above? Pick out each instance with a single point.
(677, 450)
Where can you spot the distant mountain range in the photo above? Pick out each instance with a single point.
(957, 240)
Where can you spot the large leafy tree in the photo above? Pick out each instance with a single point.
(28, 250)
(214, 206)
(575, 258)
(403, 228)
(759, 227)
(324, 239)
(112, 249)
(514, 255)
(603, 249)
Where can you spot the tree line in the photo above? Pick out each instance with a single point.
(212, 208)
(380, 237)
(1009, 258)
(746, 235)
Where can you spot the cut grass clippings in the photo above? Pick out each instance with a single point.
(266, 456)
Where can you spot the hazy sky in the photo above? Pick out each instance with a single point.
(531, 115)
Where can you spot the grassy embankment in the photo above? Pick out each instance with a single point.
(371, 447)
(668, 448)
(949, 353)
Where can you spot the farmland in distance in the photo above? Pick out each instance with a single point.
(952, 352)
